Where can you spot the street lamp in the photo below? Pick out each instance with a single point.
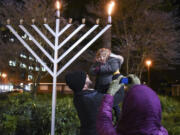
(148, 63)
(4, 75)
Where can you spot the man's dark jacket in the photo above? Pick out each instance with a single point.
(87, 103)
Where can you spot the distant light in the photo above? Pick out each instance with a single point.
(25, 36)
(23, 56)
(12, 39)
(11, 87)
(12, 63)
(43, 69)
(148, 62)
(27, 87)
(4, 75)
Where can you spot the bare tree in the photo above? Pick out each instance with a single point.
(144, 31)
(141, 29)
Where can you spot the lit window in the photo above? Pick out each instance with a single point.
(11, 39)
(27, 87)
(37, 68)
(31, 68)
(1, 87)
(6, 87)
(30, 77)
(24, 36)
(21, 84)
(12, 63)
(23, 56)
(11, 87)
(22, 65)
(43, 69)
(30, 58)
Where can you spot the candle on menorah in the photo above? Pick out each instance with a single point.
(106, 42)
(55, 47)
(58, 6)
(110, 8)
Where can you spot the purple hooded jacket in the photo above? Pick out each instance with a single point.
(141, 114)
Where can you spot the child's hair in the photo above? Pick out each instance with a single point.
(103, 51)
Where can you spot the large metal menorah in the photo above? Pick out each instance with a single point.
(56, 46)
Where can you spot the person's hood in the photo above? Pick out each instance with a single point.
(141, 112)
(118, 57)
(76, 80)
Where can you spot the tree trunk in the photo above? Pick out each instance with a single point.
(127, 62)
(35, 85)
(128, 49)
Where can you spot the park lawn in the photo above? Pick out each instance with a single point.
(21, 114)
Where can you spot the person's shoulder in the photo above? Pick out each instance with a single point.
(93, 94)
(113, 59)
(88, 92)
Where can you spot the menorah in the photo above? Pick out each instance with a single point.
(56, 46)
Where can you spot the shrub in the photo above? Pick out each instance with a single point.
(22, 115)
(171, 115)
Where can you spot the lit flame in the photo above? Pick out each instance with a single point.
(111, 5)
(58, 5)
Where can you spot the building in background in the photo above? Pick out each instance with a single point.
(20, 72)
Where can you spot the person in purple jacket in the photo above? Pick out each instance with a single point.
(141, 111)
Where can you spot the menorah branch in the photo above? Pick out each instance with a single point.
(42, 35)
(83, 49)
(36, 43)
(77, 43)
(29, 49)
(64, 29)
(71, 35)
(49, 29)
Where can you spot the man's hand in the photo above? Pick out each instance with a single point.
(115, 86)
(134, 80)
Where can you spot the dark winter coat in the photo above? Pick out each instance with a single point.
(87, 104)
(141, 114)
(104, 73)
